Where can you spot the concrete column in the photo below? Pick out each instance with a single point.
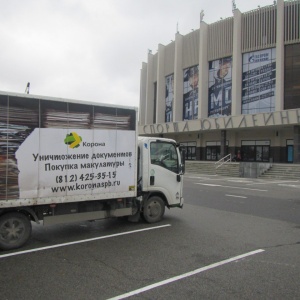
(279, 94)
(223, 143)
(203, 72)
(161, 86)
(178, 79)
(143, 80)
(237, 64)
(149, 112)
(297, 144)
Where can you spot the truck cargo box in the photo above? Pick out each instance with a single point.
(60, 150)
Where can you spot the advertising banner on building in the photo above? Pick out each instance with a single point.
(220, 85)
(259, 76)
(169, 98)
(190, 93)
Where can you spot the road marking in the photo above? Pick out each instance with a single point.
(233, 187)
(240, 181)
(81, 241)
(197, 175)
(272, 182)
(205, 178)
(197, 271)
(290, 185)
(235, 196)
(208, 184)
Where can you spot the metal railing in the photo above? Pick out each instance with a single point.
(223, 161)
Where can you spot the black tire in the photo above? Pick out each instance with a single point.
(15, 230)
(154, 209)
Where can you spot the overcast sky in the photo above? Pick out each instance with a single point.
(93, 49)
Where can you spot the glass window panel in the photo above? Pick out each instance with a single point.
(164, 155)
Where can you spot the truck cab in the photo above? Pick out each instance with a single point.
(160, 175)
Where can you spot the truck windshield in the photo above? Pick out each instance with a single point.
(165, 155)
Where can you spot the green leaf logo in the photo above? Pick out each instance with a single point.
(73, 140)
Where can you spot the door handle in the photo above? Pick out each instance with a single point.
(152, 180)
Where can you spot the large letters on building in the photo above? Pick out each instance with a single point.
(278, 118)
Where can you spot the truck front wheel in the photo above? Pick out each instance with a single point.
(154, 209)
(15, 230)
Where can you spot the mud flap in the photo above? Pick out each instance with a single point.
(135, 218)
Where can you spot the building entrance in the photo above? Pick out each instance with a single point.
(190, 153)
(257, 151)
(213, 150)
(290, 151)
(213, 153)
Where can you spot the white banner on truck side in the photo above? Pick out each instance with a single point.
(55, 162)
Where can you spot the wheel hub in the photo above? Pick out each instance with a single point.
(154, 209)
(11, 231)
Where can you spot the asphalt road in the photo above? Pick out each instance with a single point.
(234, 239)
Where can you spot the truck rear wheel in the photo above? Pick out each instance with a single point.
(154, 209)
(15, 230)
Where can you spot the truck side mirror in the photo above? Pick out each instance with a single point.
(182, 168)
(182, 155)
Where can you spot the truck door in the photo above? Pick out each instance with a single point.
(164, 171)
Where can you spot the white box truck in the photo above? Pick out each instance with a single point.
(63, 160)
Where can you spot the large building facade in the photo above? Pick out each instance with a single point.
(231, 87)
